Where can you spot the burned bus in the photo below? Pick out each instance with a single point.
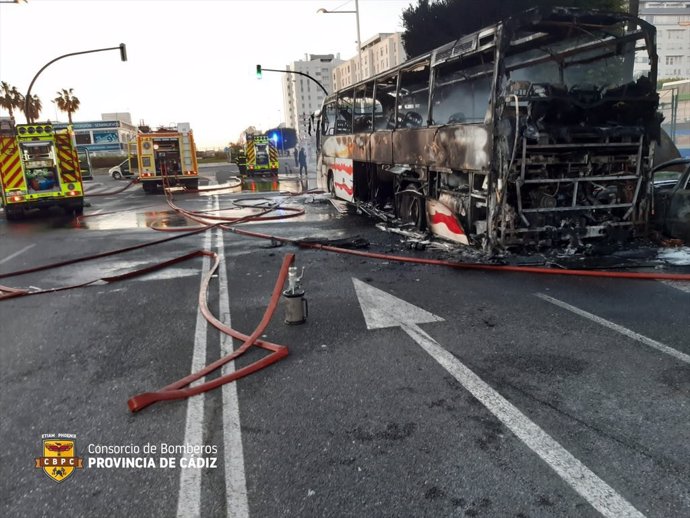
(535, 132)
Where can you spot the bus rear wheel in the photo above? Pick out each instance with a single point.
(410, 208)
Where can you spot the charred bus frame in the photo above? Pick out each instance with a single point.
(532, 132)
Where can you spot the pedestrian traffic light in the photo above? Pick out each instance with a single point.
(258, 71)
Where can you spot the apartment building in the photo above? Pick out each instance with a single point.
(672, 22)
(379, 53)
(301, 96)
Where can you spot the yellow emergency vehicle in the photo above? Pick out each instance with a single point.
(167, 158)
(261, 154)
(39, 168)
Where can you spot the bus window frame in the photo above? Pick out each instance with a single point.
(329, 102)
(426, 64)
(383, 79)
(344, 93)
(362, 89)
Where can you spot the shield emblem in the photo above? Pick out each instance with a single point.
(59, 459)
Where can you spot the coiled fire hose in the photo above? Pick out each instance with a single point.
(277, 352)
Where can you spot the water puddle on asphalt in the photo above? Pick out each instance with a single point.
(243, 208)
(286, 183)
(131, 219)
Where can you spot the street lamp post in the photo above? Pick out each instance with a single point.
(359, 40)
(27, 99)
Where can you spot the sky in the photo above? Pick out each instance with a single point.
(188, 60)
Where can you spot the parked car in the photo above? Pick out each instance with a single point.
(121, 170)
(671, 182)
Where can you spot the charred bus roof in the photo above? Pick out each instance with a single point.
(535, 26)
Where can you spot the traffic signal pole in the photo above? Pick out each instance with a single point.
(260, 69)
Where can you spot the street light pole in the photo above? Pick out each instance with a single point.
(27, 99)
(359, 40)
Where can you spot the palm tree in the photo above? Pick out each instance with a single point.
(67, 102)
(35, 107)
(10, 98)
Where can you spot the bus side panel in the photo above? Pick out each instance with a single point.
(361, 151)
(381, 143)
(462, 147)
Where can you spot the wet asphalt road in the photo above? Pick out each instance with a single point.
(354, 421)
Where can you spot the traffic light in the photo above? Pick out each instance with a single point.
(258, 71)
(123, 52)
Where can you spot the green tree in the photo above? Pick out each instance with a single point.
(10, 98)
(67, 102)
(35, 107)
(430, 24)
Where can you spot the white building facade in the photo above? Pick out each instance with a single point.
(672, 22)
(301, 96)
(379, 53)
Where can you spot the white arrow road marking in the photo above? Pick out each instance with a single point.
(620, 329)
(385, 310)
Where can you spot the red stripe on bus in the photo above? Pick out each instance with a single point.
(344, 187)
(449, 221)
(343, 168)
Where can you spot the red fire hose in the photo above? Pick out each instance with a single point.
(176, 390)
(466, 266)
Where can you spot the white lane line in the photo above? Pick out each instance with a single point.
(593, 489)
(679, 285)
(18, 252)
(189, 498)
(235, 480)
(620, 329)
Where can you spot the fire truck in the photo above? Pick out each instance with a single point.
(167, 157)
(39, 168)
(261, 154)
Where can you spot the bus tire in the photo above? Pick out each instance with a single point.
(410, 208)
(417, 212)
(192, 185)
